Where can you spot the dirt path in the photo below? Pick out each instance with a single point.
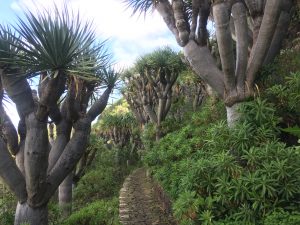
(137, 203)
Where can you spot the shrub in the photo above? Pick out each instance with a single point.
(281, 217)
(103, 179)
(7, 206)
(96, 184)
(102, 212)
(231, 176)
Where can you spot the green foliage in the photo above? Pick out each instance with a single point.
(117, 125)
(281, 217)
(287, 95)
(95, 196)
(218, 175)
(102, 212)
(8, 41)
(6, 218)
(280, 84)
(7, 206)
(163, 61)
(103, 180)
(54, 213)
(96, 184)
(293, 130)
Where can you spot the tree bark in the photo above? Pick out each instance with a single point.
(63, 131)
(10, 173)
(223, 33)
(19, 92)
(233, 114)
(33, 216)
(36, 159)
(70, 156)
(281, 30)
(65, 195)
(204, 65)
(158, 134)
(98, 107)
(20, 157)
(242, 44)
(264, 39)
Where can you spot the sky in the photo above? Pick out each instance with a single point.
(128, 36)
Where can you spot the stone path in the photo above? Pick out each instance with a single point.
(137, 203)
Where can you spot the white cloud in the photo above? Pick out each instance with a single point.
(130, 35)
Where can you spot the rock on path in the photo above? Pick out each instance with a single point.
(137, 203)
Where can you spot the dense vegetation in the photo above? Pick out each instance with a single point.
(248, 174)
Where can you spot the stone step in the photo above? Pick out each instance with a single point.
(137, 204)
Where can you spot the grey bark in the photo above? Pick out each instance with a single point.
(233, 114)
(99, 105)
(25, 214)
(10, 173)
(70, 156)
(242, 44)
(63, 131)
(19, 92)
(20, 157)
(36, 159)
(264, 39)
(65, 195)
(223, 33)
(205, 66)
(9, 132)
(280, 32)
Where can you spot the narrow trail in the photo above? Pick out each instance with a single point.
(137, 203)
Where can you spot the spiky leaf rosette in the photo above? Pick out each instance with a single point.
(8, 51)
(110, 77)
(53, 41)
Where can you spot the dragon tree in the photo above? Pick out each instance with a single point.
(60, 53)
(256, 27)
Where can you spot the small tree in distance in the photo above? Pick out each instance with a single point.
(150, 84)
(62, 52)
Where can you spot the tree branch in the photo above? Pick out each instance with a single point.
(221, 17)
(63, 132)
(164, 8)
(264, 39)
(98, 107)
(11, 175)
(19, 92)
(205, 66)
(70, 156)
(9, 132)
(180, 21)
(50, 90)
(280, 33)
(203, 17)
(241, 30)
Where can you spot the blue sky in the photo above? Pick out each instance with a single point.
(6, 12)
(129, 36)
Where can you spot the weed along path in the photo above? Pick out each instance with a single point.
(138, 206)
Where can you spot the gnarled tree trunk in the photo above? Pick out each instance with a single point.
(65, 195)
(255, 25)
(25, 214)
